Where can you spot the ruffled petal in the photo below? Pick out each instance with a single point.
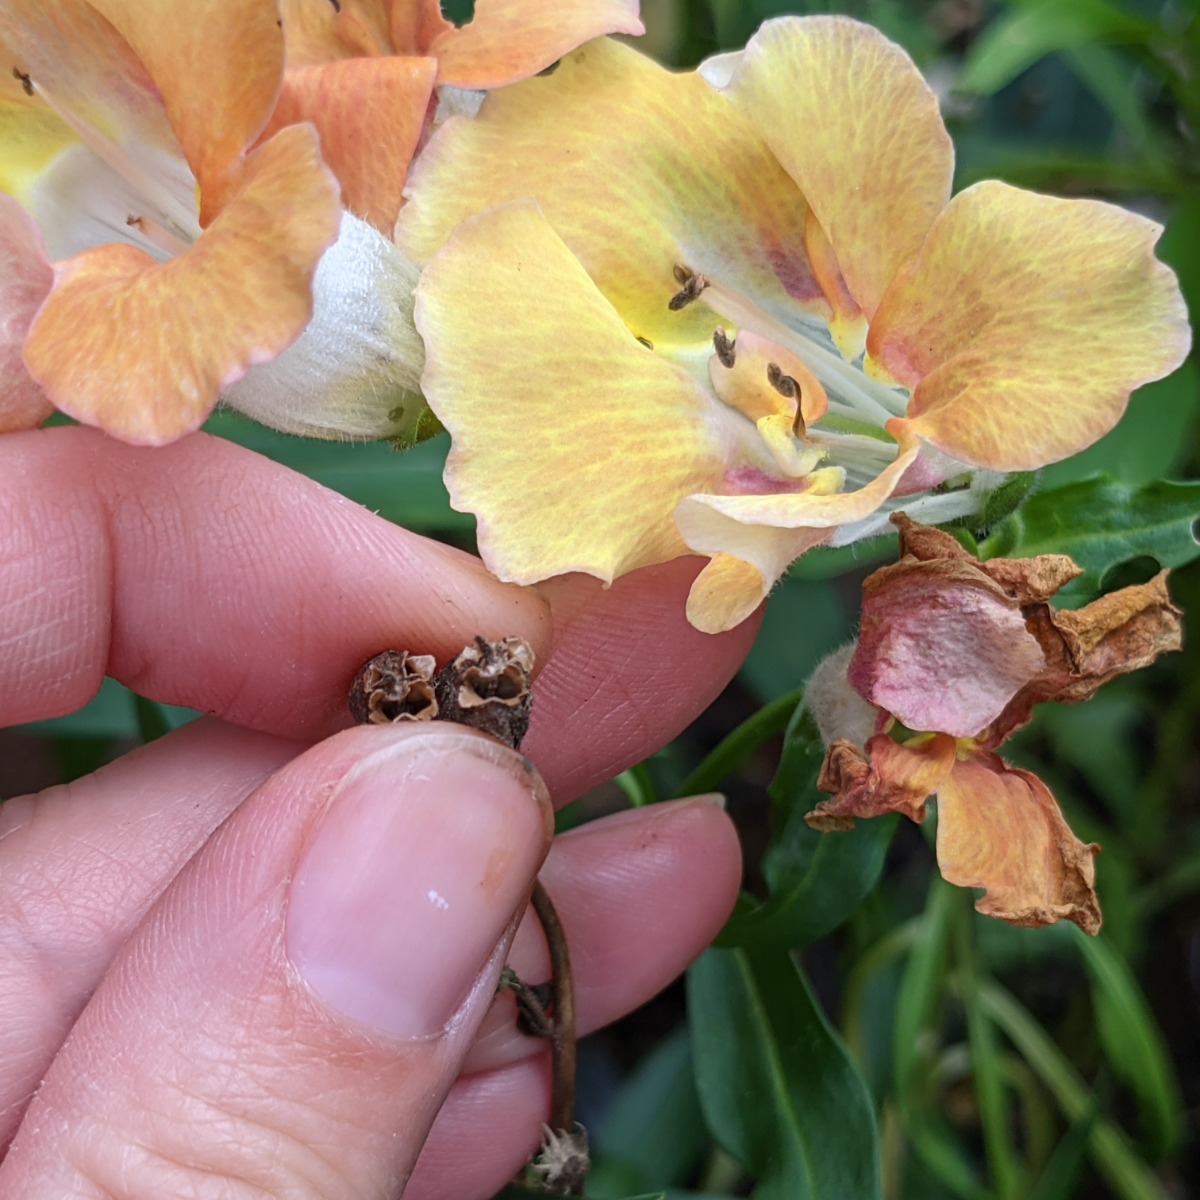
(143, 349)
(702, 190)
(572, 442)
(888, 777)
(508, 40)
(1024, 324)
(941, 646)
(218, 83)
(1000, 829)
(370, 113)
(25, 279)
(850, 118)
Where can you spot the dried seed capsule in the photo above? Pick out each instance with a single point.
(487, 687)
(394, 686)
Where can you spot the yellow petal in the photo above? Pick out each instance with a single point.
(711, 523)
(25, 279)
(572, 442)
(1000, 829)
(639, 171)
(508, 40)
(1024, 324)
(730, 589)
(848, 115)
(143, 349)
(370, 113)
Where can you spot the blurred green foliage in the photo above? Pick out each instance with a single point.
(936, 1054)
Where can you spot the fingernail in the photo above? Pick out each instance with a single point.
(415, 869)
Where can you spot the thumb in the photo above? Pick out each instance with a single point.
(290, 1015)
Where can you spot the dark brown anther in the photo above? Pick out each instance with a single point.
(724, 347)
(693, 285)
(785, 385)
(26, 81)
(487, 687)
(645, 341)
(394, 686)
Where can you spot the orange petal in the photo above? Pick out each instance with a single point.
(889, 777)
(25, 279)
(143, 349)
(850, 118)
(218, 77)
(572, 442)
(414, 25)
(370, 113)
(1024, 324)
(1000, 829)
(639, 171)
(508, 40)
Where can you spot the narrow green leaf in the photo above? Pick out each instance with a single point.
(1128, 1176)
(816, 880)
(777, 1087)
(1017, 39)
(1101, 523)
(1133, 1043)
(1060, 1179)
(637, 785)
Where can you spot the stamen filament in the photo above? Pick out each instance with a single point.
(868, 397)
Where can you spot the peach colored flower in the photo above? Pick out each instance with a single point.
(183, 252)
(737, 312)
(953, 655)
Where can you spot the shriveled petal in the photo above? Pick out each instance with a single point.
(355, 370)
(1085, 648)
(572, 442)
(941, 647)
(370, 113)
(143, 349)
(25, 279)
(1000, 829)
(508, 40)
(889, 777)
(849, 116)
(1024, 324)
(701, 191)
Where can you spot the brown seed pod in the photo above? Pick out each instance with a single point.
(487, 687)
(394, 686)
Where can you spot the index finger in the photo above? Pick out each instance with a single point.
(204, 575)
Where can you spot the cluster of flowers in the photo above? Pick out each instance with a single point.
(735, 312)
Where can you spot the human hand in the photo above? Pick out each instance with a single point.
(246, 960)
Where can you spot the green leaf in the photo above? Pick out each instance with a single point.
(1017, 39)
(654, 1129)
(1128, 1176)
(777, 1087)
(816, 880)
(1133, 1043)
(1101, 523)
